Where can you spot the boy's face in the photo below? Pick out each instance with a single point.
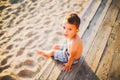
(70, 30)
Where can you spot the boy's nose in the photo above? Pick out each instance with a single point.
(65, 31)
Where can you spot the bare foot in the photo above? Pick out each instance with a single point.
(43, 54)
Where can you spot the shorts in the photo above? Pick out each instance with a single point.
(62, 55)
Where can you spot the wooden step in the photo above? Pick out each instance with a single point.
(46, 70)
(88, 14)
(117, 2)
(94, 26)
(95, 52)
(114, 70)
(112, 45)
(89, 65)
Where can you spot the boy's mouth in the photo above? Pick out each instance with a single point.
(65, 35)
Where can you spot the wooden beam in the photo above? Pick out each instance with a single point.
(56, 71)
(105, 64)
(70, 75)
(88, 15)
(117, 2)
(114, 71)
(91, 32)
(45, 71)
(95, 52)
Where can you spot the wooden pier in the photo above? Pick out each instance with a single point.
(100, 34)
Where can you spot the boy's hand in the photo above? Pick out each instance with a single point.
(67, 67)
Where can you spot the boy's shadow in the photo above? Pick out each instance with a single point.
(79, 71)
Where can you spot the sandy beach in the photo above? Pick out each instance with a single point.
(27, 26)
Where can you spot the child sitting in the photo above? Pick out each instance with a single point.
(71, 52)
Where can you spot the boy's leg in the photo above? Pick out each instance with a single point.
(46, 55)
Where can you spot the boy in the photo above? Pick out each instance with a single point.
(71, 52)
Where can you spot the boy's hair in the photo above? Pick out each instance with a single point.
(73, 18)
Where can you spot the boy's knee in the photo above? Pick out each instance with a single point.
(55, 47)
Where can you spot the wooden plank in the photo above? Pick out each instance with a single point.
(56, 71)
(113, 47)
(88, 15)
(70, 75)
(95, 52)
(45, 71)
(84, 73)
(117, 2)
(94, 26)
(114, 71)
(86, 8)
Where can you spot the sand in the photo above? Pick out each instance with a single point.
(27, 26)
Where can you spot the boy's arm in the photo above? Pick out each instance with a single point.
(71, 58)
(68, 65)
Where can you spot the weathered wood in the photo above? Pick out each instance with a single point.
(117, 2)
(85, 73)
(86, 8)
(105, 65)
(64, 75)
(94, 26)
(114, 72)
(56, 71)
(88, 15)
(95, 52)
(45, 71)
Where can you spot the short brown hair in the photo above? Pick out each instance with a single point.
(73, 18)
